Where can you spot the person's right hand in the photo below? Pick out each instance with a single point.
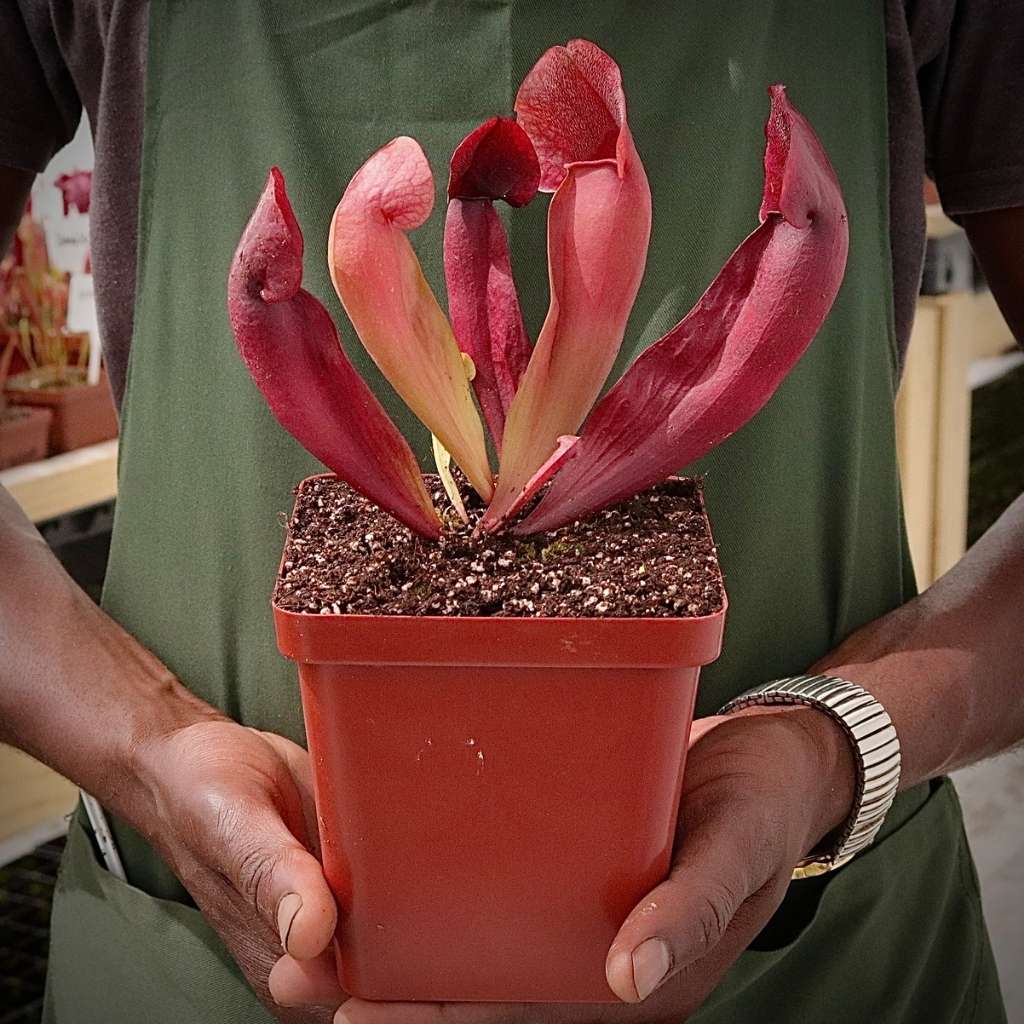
(231, 811)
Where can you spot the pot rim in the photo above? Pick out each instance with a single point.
(13, 413)
(548, 641)
(20, 386)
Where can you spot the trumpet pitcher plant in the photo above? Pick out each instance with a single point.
(474, 372)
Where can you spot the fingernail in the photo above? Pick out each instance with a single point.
(290, 905)
(651, 962)
(341, 1017)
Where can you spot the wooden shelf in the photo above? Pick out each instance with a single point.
(64, 483)
(933, 414)
(933, 422)
(34, 804)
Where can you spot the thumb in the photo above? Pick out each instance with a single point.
(281, 879)
(685, 918)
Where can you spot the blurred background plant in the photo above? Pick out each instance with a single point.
(33, 312)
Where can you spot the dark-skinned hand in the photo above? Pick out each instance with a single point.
(762, 789)
(235, 820)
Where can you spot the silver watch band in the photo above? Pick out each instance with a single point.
(876, 748)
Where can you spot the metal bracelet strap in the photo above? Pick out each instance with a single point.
(876, 748)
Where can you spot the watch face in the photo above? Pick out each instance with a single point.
(811, 869)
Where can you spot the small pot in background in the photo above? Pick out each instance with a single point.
(24, 434)
(83, 414)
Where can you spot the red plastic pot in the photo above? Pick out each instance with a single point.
(494, 794)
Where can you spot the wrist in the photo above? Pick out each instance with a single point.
(823, 769)
(836, 767)
(151, 703)
(166, 708)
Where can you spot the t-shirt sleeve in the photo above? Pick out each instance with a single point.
(971, 91)
(40, 109)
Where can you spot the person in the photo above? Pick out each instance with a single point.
(171, 705)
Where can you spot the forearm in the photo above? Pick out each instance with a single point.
(948, 665)
(76, 691)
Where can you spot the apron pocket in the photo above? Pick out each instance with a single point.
(119, 956)
(896, 935)
(904, 909)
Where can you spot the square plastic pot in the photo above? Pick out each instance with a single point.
(494, 795)
(83, 414)
(23, 435)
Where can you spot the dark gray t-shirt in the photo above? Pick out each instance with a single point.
(955, 82)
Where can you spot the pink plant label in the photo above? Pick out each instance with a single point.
(76, 190)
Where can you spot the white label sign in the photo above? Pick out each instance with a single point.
(67, 239)
(82, 317)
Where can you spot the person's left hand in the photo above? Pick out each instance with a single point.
(762, 788)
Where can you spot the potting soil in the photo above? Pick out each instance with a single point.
(650, 555)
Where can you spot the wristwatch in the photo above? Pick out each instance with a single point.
(875, 745)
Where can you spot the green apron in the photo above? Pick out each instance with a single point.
(804, 501)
